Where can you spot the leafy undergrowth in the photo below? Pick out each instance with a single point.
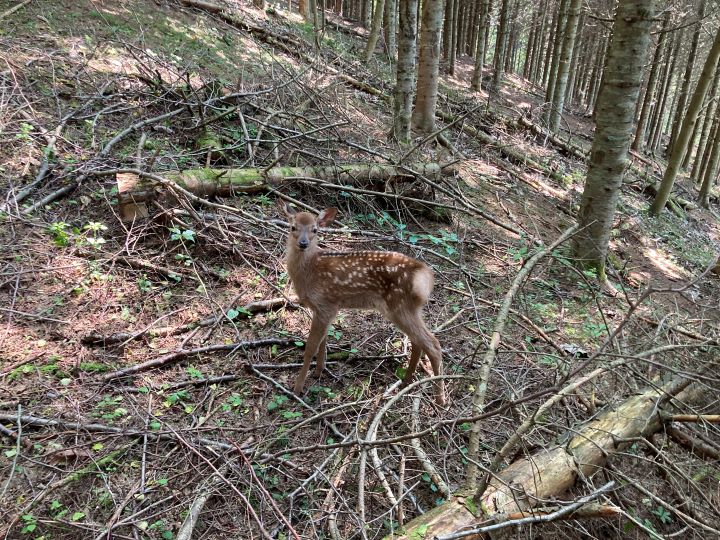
(85, 294)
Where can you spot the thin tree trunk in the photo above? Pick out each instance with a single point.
(639, 140)
(428, 65)
(480, 50)
(405, 85)
(539, 43)
(557, 51)
(454, 28)
(530, 49)
(701, 133)
(574, 65)
(390, 28)
(557, 102)
(711, 167)
(613, 132)
(687, 77)
(375, 30)
(600, 76)
(667, 77)
(500, 45)
(549, 52)
(686, 130)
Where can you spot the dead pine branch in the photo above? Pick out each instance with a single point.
(174, 356)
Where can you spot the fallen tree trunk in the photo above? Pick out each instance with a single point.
(547, 474)
(134, 191)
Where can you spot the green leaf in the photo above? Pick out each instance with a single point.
(77, 516)
(10, 453)
(232, 314)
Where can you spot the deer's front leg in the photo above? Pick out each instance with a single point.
(321, 356)
(318, 335)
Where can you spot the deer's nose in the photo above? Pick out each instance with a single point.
(303, 244)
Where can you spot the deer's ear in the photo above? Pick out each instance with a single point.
(327, 216)
(289, 210)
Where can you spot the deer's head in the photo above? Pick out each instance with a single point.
(304, 226)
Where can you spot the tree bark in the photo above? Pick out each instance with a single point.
(686, 130)
(500, 44)
(404, 87)
(428, 65)
(480, 49)
(557, 101)
(557, 49)
(701, 131)
(547, 474)
(711, 168)
(375, 30)
(639, 140)
(613, 131)
(687, 76)
(390, 28)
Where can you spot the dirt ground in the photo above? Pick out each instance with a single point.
(201, 289)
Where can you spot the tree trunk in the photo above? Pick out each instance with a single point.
(613, 131)
(405, 85)
(557, 101)
(599, 76)
(557, 50)
(500, 43)
(639, 141)
(374, 35)
(390, 28)
(428, 65)
(366, 13)
(452, 25)
(480, 50)
(687, 76)
(668, 77)
(701, 133)
(699, 138)
(574, 62)
(549, 49)
(686, 130)
(539, 43)
(547, 474)
(711, 167)
(530, 48)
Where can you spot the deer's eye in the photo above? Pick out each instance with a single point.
(293, 228)
(314, 230)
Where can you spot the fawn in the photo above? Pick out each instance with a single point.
(394, 284)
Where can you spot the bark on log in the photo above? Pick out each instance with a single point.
(134, 191)
(532, 480)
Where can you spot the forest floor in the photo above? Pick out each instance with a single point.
(84, 293)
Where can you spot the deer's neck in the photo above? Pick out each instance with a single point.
(301, 265)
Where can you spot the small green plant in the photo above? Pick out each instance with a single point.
(144, 284)
(109, 408)
(278, 400)
(29, 523)
(182, 235)
(194, 372)
(233, 402)
(25, 131)
(58, 230)
(663, 515)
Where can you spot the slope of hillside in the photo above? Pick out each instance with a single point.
(88, 89)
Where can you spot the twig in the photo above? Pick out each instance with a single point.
(478, 399)
(183, 353)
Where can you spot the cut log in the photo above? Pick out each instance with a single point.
(549, 473)
(134, 191)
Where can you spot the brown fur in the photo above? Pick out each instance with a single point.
(394, 284)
